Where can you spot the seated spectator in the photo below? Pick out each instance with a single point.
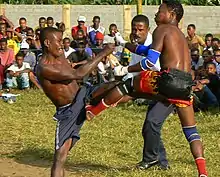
(67, 49)
(93, 29)
(81, 26)
(50, 21)
(213, 80)
(208, 42)
(194, 41)
(37, 39)
(42, 23)
(215, 43)
(197, 61)
(217, 60)
(23, 28)
(18, 73)
(3, 30)
(80, 56)
(6, 54)
(99, 38)
(207, 57)
(61, 26)
(13, 39)
(29, 57)
(74, 43)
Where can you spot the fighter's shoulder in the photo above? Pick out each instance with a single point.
(162, 29)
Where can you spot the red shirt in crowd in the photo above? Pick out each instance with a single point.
(76, 28)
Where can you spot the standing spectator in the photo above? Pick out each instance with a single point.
(81, 26)
(37, 39)
(194, 41)
(42, 23)
(3, 30)
(50, 21)
(93, 29)
(4, 19)
(23, 28)
(17, 73)
(67, 49)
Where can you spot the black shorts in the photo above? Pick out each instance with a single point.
(71, 117)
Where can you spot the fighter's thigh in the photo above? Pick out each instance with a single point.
(186, 116)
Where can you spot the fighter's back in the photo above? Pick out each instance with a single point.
(175, 51)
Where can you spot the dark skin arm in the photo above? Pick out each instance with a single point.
(157, 44)
(63, 72)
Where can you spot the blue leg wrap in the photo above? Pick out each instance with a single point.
(191, 133)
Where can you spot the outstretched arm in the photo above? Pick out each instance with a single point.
(64, 72)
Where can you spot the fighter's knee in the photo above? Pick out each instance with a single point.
(60, 157)
(191, 133)
(125, 87)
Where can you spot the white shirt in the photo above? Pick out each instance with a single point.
(68, 52)
(15, 67)
(217, 67)
(102, 67)
(137, 58)
(100, 29)
(198, 64)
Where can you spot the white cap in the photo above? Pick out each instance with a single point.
(24, 45)
(81, 19)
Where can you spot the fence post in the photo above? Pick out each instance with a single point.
(127, 19)
(66, 16)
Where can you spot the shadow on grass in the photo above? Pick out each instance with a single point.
(44, 158)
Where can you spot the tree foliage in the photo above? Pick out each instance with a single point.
(108, 2)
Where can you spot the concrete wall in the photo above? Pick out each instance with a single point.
(206, 19)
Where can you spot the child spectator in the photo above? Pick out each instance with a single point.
(23, 28)
(67, 49)
(42, 23)
(215, 43)
(17, 74)
(208, 42)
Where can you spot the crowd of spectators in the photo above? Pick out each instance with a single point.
(20, 51)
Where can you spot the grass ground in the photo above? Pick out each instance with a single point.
(110, 145)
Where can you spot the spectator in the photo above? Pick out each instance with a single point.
(217, 60)
(5, 20)
(81, 26)
(61, 26)
(3, 30)
(207, 57)
(29, 57)
(99, 38)
(93, 29)
(50, 21)
(14, 39)
(37, 39)
(194, 41)
(17, 73)
(110, 38)
(80, 56)
(6, 54)
(215, 43)
(208, 42)
(197, 61)
(42, 23)
(23, 28)
(67, 49)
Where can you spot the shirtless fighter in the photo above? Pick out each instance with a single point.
(58, 81)
(173, 83)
